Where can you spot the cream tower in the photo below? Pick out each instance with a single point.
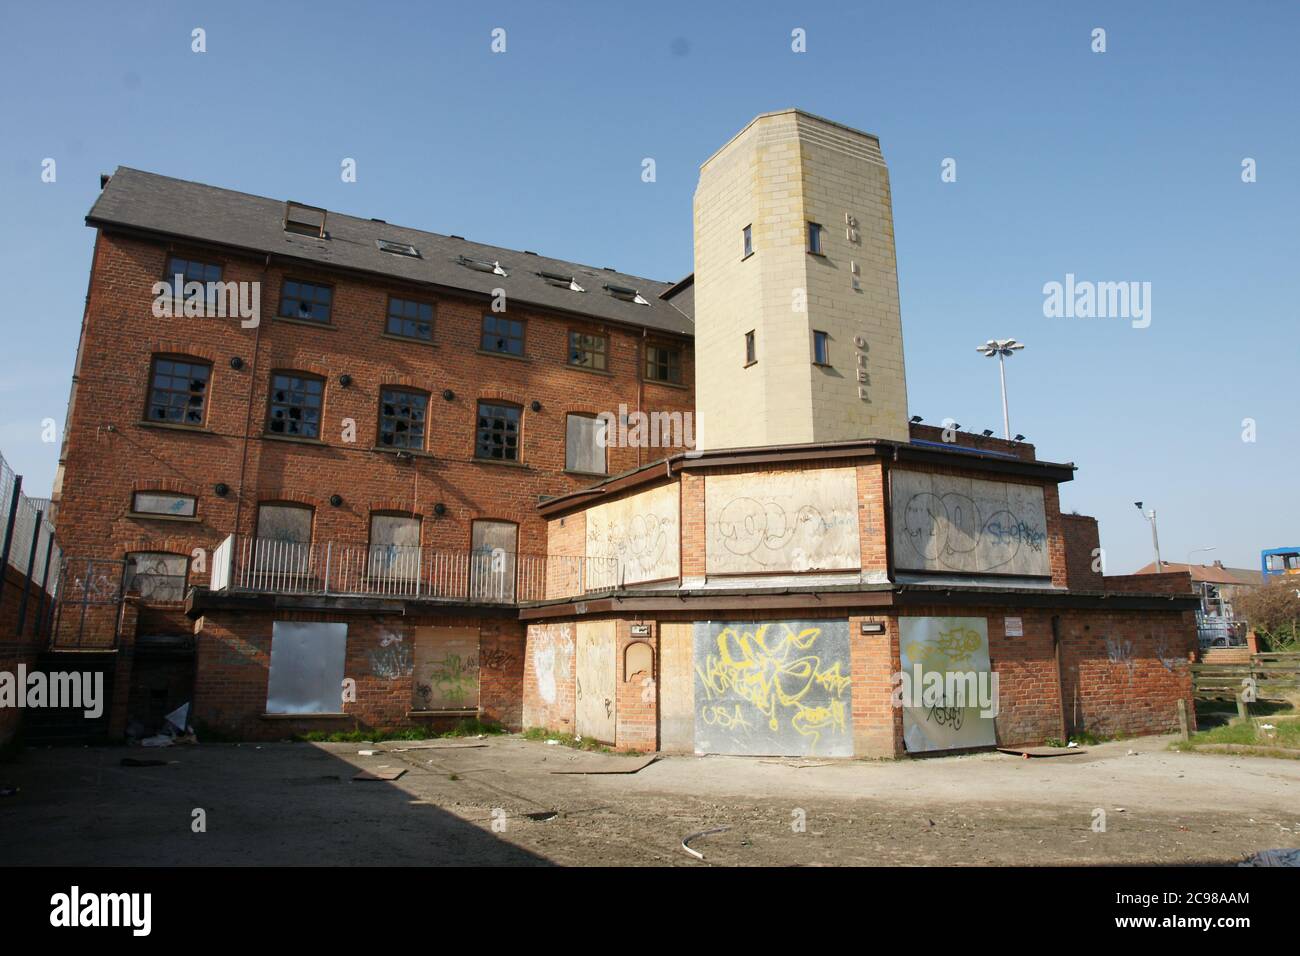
(794, 263)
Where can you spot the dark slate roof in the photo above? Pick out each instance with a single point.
(175, 207)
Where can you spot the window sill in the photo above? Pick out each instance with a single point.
(586, 474)
(498, 461)
(312, 716)
(172, 426)
(504, 355)
(749, 364)
(293, 439)
(747, 256)
(451, 712)
(145, 516)
(589, 371)
(655, 381)
(413, 452)
(823, 365)
(308, 322)
(819, 255)
(408, 340)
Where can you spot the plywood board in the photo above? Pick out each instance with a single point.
(549, 677)
(773, 688)
(635, 539)
(446, 673)
(676, 686)
(946, 523)
(594, 687)
(306, 668)
(941, 645)
(782, 521)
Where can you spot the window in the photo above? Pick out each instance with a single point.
(815, 238)
(157, 577)
(306, 301)
(410, 319)
(402, 418)
(283, 546)
(295, 405)
(304, 220)
(584, 444)
(306, 667)
(398, 248)
(190, 270)
(492, 561)
(562, 281)
(502, 335)
(748, 243)
(751, 351)
(164, 504)
(177, 389)
(394, 547)
(497, 433)
(483, 265)
(663, 364)
(626, 293)
(821, 348)
(588, 351)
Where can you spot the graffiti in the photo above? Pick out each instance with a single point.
(952, 717)
(452, 684)
(1121, 653)
(1170, 662)
(782, 521)
(637, 535)
(391, 661)
(952, 647)
(552, 648)
(495, 659)
(785, 676)
(970, 525)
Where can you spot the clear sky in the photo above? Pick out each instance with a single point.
(1124, 165)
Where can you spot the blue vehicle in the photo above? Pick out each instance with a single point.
(1280, 561)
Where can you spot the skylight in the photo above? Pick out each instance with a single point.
(398, 248)
(562, 281)
(304, 220)
(625, 293)
(483, 265)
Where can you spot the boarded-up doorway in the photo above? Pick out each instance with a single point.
(446, 678)
(676, 693)
(596, 673)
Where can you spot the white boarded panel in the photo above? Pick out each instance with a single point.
(635, 539)
(594, 688)
(306, 668)
(946, 523)
(676, 686)
(778, 521)
(943, 645)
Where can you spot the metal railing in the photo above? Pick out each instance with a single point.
(267, 565)
(1215, 631)
(29, 546)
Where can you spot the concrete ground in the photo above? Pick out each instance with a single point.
(457, 804)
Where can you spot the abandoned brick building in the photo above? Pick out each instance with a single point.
(433, 479)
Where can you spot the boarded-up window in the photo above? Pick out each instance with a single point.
(306, 668)
(284, 539)
(492, 561)
(395, 547)
(584, 444)
(162, 503)
(157, 577)
(446, 669)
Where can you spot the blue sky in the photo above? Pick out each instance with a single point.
(1115, 166)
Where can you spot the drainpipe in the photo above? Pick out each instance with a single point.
(248, 411)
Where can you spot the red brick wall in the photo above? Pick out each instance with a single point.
(1168, 582)
(1023, 450)
(873, 507)
(16, 648)
(1082, 539)
(877, 723)
(553, 647)
(109, 453)
(234, 654)
(636, 696)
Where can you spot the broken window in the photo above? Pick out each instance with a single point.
(306, 301)
(497, 434)
(492, 561)
(306, 668)
(502, 335)
(663, 364)
(410, 319)
(295, 405)
(584, 444)
(402, 418)
(157, 577)
(177, 390)
(588, 351)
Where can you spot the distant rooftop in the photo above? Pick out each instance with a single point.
(176, 208)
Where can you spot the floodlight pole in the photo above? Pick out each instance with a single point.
(1006, 418)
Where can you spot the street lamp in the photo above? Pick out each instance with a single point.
(1001, 348)
(1194, 551)
(1155, 538)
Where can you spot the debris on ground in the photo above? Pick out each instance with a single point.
(700, 833)
(1028, 752)
(615, 765)
(1281, 857)
(366, 753)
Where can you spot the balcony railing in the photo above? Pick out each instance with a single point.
(266, 565)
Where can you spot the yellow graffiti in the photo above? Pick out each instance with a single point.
(719, 714)
(950, 647)
(774, 673)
